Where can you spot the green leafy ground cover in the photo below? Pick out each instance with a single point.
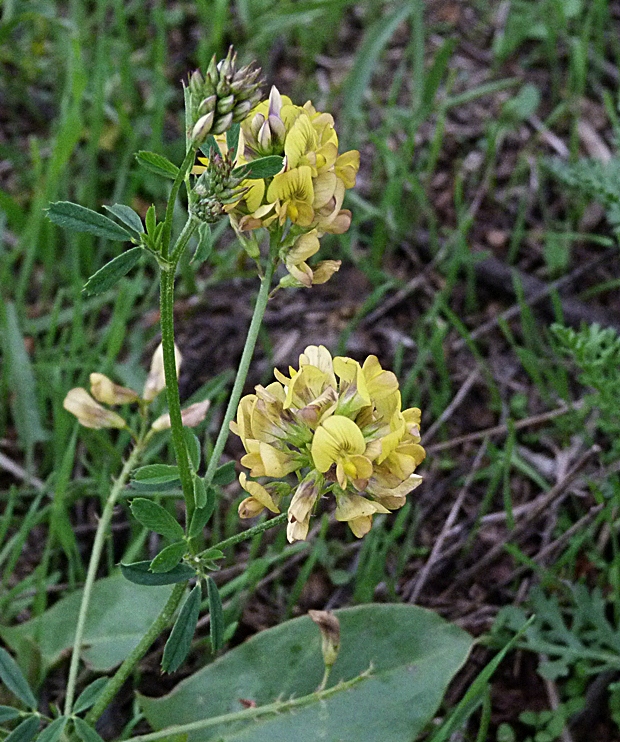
(485, 212)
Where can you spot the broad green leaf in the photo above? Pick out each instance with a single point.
(85, 732)
(80, 219)
(194, 449)
(156, 474)
(156, 518)
(200, 493)
(8, 712)
(139, 573)
(180, 639)
(225, 474)
(89, 695)
(126, 215)
(411, 653)
(53, 731)
(157, 164)
(201, 515)
(21, 379)
(113, 626)
(111, 273)
(168, 558)
(216, 616)
(13, 678)
(25, 731)
(264, 167)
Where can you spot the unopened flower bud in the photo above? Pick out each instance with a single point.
(105, 390)
(156, 380)
(191, 416)
(241, 110)
(196, 82)
(207, 105)
(89, 413)
(329, 626)
(223, 124)
(202, 128)
(225, 105)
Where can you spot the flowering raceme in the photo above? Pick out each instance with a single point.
(338, 426)
(308, 192)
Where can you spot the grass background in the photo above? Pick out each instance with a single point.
(464, 248)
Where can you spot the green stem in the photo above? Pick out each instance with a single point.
(116, 681)
(187, 163)
(250, 532)
(253, 713)
(244, 365)
(93, 564)
(172, 389)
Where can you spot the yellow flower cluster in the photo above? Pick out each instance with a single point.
(309, 190)
(339, 427)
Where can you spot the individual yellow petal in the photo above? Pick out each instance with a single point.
(259, 493)
(346, 167)
(89, 413)
(304, 247)
(277, 463)
(324, 189)
(191, 417)
(352, 506)
(323, 271)
(300, 141)
(105, 390)
(335, 437)
(360, 526)
(399, 491)
(301, 272)
(250, 508)
(297, 530)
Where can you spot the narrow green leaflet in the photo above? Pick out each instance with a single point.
(12, 677)
(200, 493)
(25, 731)
(126, 215)
(216, 624)
(112, 272)
(201, 515)
(139, 573)
(7, 713)
(232, 139)
(53, 731)
(89, 695)
(180, 639)
(154, 517)
(157, 164)
(225, 474)
(80, 219)
(156, 474)
(194, 449)
(264, 167)
(205, 244)
(85, 732)
(168, 558)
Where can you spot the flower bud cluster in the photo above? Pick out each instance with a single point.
(339, 427)
(223, 96)
(216, 188)
(90, 412)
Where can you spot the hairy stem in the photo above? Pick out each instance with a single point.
(250, 532)
(116, 681)
(253, 713)
(93, 564)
